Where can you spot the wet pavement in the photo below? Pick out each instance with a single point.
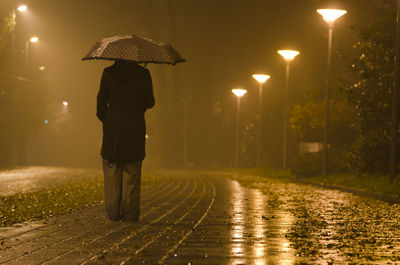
(204, 218)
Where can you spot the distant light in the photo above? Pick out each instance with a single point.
(261, 78)
(34, 39)
(330, 15)
(147, 136)
(42, 68)
(288, 55)
(65, 103)
(239, 92)
(22, 8)
(46, 121)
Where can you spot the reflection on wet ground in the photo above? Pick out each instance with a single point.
(257, 231)
(243, 227)
(329, 226)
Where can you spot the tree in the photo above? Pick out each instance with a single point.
(370, 95)
(6, 121)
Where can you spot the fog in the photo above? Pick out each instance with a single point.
(224, 43)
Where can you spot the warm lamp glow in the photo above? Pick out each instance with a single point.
(261, 78)
(330, 15)
(22, 8)
(34, 39)
(42, 68)
(239, 92)
(288, 55)
(65, 103)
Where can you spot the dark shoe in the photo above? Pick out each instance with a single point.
(130, 218)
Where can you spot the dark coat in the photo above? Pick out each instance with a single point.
(125, 93)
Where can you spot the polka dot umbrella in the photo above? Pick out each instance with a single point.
(134, 48)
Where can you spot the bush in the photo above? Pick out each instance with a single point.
(307, 165)
(310, 164)
(370, 153)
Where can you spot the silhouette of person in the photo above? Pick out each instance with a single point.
(126, 92)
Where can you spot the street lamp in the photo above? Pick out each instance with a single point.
(261, 79)
(34, 39)
(65, 106)
(330, 16)
(288, 55)
(22, 8)
(239, 93)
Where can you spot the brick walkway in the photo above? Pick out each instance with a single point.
(196, 220)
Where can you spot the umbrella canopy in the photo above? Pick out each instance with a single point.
(134, 48)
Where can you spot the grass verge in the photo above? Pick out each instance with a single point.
(82, 192)
(376, 184)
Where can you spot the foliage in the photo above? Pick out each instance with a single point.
(307, 165)
(310, 164)
(307, 122)
(84, 191)
(261, 177)
(370, 153)
(249, 143)
(51, 202)
(370, 95)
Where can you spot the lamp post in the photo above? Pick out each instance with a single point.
(288, 55)
(21, 9)
(185, 130)
(330, 16)
(238, 93)
(395, 101)
(33, 39)
(261, 79)
(17, 137)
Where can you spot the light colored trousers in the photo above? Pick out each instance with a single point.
(122, 190)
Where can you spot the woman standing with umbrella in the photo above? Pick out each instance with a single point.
(125, 94)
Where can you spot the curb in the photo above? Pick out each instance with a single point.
(379, 196)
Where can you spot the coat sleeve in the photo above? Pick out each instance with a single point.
(102, 96)
(149, 96)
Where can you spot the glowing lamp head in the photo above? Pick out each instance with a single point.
(34, 39)
(239, 92)
(261, 78)
(65, 103)
(42, 68)
(22, 8)
(330, 15)
(288, 55)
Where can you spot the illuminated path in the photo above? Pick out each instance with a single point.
(202, 218)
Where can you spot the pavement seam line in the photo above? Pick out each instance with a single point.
(135, 232)
(191, 230)
(168, 228)
(61, 229)
(46, 246)
(113, 230)
(49, 225)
